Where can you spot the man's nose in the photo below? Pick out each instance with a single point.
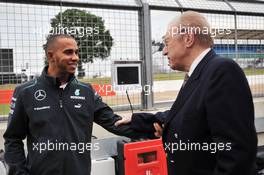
(75, 57)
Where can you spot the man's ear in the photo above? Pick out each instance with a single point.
(189, 40)
(50, 56)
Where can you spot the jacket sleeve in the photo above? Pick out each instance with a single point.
(14, 135)
(105, 117)
(230, 116)
(143, 122)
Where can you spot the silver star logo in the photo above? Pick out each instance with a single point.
(40, 95)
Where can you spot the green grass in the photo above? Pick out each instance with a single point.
(156, 77)
(251, 71)
(105, 80)
(7, 86)
(244, 55)
(4, 109)
(170, 76)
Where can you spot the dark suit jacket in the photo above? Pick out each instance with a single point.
(210, 129)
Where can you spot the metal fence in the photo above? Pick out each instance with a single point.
(135, 29)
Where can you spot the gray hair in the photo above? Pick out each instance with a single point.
(198, 24)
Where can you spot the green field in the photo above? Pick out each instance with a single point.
(156, 77)
(254, 71)
(165, 76)
(244, 55)
(4, 109)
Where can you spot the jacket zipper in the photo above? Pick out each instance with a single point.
(60, 98)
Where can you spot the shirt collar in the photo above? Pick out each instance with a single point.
(63, 86)
(197, 61)
(54, 80)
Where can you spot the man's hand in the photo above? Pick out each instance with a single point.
(125, 119)
(158, 129)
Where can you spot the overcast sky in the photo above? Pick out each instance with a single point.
(24, 27)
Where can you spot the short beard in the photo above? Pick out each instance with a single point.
(63, 74)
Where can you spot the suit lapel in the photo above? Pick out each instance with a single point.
(188, 88)
(181, 98)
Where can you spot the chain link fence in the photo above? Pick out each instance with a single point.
(111, 31)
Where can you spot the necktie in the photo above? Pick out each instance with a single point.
(185, 80)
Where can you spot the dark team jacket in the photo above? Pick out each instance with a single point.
(44, 113)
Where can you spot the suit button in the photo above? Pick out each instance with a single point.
(176, 135)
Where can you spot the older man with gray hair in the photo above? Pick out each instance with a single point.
(210, 129)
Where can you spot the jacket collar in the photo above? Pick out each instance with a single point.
(54, 81)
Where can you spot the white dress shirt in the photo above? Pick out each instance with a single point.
(197, 61)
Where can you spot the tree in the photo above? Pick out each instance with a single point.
(93, 39)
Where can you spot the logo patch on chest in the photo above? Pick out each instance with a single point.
(40, 95)
(78, 106)
(77, 92)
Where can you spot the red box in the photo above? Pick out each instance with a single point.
(145, 158)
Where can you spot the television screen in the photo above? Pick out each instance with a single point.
(127, 75)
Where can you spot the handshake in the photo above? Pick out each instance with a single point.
(126, 119)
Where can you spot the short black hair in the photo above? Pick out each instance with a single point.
(52, 38)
